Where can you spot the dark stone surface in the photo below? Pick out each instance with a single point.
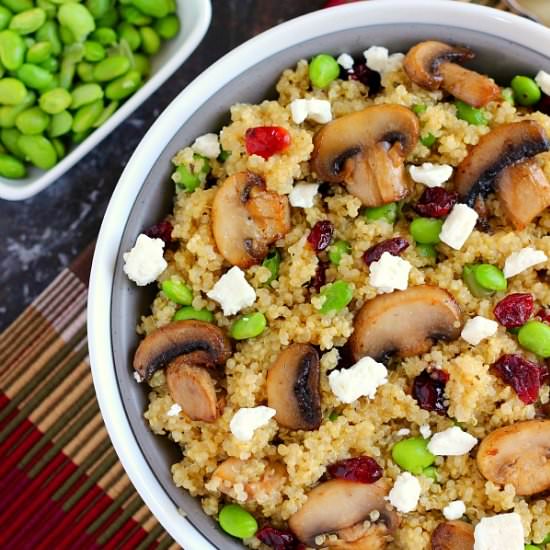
(42, 235)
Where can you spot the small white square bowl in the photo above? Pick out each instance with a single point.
(195, 18)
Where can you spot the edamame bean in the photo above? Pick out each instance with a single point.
(428, 140)
(49, 32)
(98, 8)
(337, 250)
(156, 8)
(177, 291)
(51, 65)
(12, 50)
(38, 150)
(426, 230)
(10, 139)
(18, 5)
(12, 91)
(248, 326)
(59, 148)
(470, 114)
(110, 19)
(535, 337)
(85, 117)
(48, 7)
(489, 277)
(419, 108)
(79, 137)
(130, 34)
(11, 167)
(86, 93)
(474, 287)
(387, 213)
(426, 251)
(150, 41)
(66, 36)
(8, 113)
(123, 86)
(85, 71)
(106, 114)
(93, 51)
(110, 68)
(323, 69)
(167, 27)
(33, 121)
(237, 521)
(34, 76)
(105, 36)
(337, 296)
(531, 547)
(55, 101)
(77, 19)
(273, 262)
(187, 312)
(190, 177)
(66, 73)
(526, 90)
(5, 18)
(142, 64)
(60, 124)
(38, 52)
(135, 16)
(29, 21)
(430, 472)
(412, 455)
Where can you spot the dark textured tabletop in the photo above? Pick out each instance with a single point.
(42, 235)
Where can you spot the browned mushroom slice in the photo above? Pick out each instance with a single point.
(504, 146)
(293, 388)
(518, 454)
(205, 343)
(405, 323)
(366, 152)
(523, 192)
(453, 535)
(433, 65)
(340, 507)
(247, 219)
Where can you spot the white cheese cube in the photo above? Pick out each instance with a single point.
(207, 145)
(345, 61)
(319, 110)
(299, 109)
(452, 442)
(362, 379)
(425, 431)
(389, 273)
(523, 259)
(543, 81)
(302, 195)
(502, 532)
(405, 493)
(137, 377)
(379, 60)
(431, 175)
(458, 226)
(233, 292)
(477, 329)
(174, 410)
(454, 510)
(248, 419)
(145, 261)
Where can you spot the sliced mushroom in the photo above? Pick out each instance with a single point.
(204, 343)
(341, 507)
(518, 454)
(405, 323)
(453, 535)
(366, 152)
(433, 65)
(523, 192)
(247, 219)
(293, 388)
(504, 146)
(363, 536)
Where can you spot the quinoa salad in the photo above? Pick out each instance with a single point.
(351, 334)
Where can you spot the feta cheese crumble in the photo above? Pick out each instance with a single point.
(454, 510)
(302, 195)
(477, 329)
(208, 146)
(431, 175)
(379, 59)
(345, 61)
(145, 261)
(452, 442)
(362, 379)
(248, 419)
(402, 432)
(137, 377)
(174, 410)
(318, 110)
(543, 81)
(233, 292)
(503, 531)
(523, 259)
(458, 226)
(389, 273)
(405, 493)
(425, 431)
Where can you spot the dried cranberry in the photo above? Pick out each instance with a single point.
(161, 230)
(320, 277)
(436, 202)
(514, 310)
(429, 390)
(524, 376)
(277, 539)
(321, 235)
(266, 141)
(394, 246)
(362, 468)
(544, 105)
(543, 314)
(366, 76)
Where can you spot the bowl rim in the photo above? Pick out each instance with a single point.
(186, 45)
(325, 21)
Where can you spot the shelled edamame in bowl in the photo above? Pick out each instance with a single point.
(70, 72)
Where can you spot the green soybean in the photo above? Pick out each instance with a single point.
(187, 312)
(237, 521)
(142, 64)
(38, 150)
(323, 69)
(59, 147)
(11, 167)
(18, 5)
(60, 124)
(77, 19)
(419, 108)
(66, 36)
(155, 8)
(98, 8)
(106, 114)
(38, 52)
(8, 113)
(535, 337)
(135, 16)
(66, 73)
(387, 213)
(73, 53)
(130, 34)
(470, 114)
(489, 277)
(55, 101)
(93, 51)
(10, 139)
(337, 296)
(105, 36)
(428, 140)
(5, 18)
(337, 250)
(85, 71)
(167, 27)
(85, 117)
(189, 177)
(51, 65)
(12, 50)
(79, 137)
(110, 19)
(33, 121)
(426, 251)
(123, 86)
(84, 94)
(150, 41)
(29, 21)
(531, 547)
(12, 91)
(468, 275)
(177, 291)
(34, 76)
(48, 7)
(426, 230)
(49, 32)
(430, 472)
(526, 90)
(248, 326)
(111, 68)
(273, 262)
(412, 455)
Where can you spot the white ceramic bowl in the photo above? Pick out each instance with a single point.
(506, 44)
(195, 17)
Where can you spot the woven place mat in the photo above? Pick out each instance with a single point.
(61, 483)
